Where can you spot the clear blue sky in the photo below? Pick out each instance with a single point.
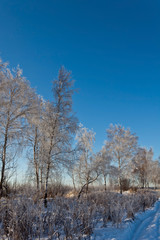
(111, 47)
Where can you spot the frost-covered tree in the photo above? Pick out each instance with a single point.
(17, 103)
(87, 166)
(71, 169)
(121, 145)
(34, 140)
(142, 165)
(59, 125)
(51, 132)
(155, 173)
(104, 159)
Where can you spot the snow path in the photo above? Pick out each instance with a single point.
(145, 227)
(149, 228)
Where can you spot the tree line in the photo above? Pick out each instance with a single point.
(53, 140)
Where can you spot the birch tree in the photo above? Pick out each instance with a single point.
(16, 104)
(142, 165)
(105, 160)
(59, 124)
(87, 165)
(122, 145)
(34, 140)
(155, 173)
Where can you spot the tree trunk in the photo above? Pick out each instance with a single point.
(87, 188)
(120, 185)
(3, 161)
(2, 178)
(120, 178)
(35, 160)
(46, 187)
(41, 180)
(48, 170)
(89, 182)
(73, 180)
(105, 185)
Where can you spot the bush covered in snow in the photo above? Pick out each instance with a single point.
(22, 218)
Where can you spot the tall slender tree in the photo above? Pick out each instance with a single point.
(34, 138)
(59, 124)
(105, 160)
(16, 105)
(87, 166)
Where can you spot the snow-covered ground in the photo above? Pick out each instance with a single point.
(146, 226)
(101, 216)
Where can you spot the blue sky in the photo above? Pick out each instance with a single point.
(111, 47)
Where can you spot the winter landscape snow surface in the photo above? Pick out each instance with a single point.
(145, 227)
